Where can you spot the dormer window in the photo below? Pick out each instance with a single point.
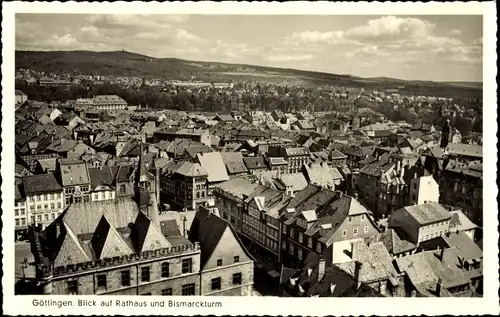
(349, 219)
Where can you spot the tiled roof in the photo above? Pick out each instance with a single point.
(169, 228)
(320, 174)
(41, 183)
(465, 149)
(74, 172)
(104, 175)
(214, 165)
(145, 236)
(460, 222)
(424, 269)
(296, 181)
(428, 213)
(191, 170)
(238, 186)
(466, 247)
(106, 242)
(254, 163)
(234, 162)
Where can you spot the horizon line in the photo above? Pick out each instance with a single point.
(256, 65)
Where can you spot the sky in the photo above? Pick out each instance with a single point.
(430, 47)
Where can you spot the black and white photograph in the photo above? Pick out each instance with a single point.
(221, 155)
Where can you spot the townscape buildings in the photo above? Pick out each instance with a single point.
(313, 203)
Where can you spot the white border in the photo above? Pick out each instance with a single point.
(265, 305)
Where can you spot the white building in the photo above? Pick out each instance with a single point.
(44, 199)
(109, 103)
(423, 190)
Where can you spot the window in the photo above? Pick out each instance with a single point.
(102, 281)
(216, 284)
(58, 205)
(39, 218)
(52, 206)
(299, 253)
(32, 208)
(46, 206)
(165, 269)
(292, 249)
(96, 196)
(291, 232)
(45, 197)
(236, 258)
(53, 216)
(187, 266)
(73, 287)
(344, 233)
(349, 219)
(51, 196)
(310, 243)
(145, 274)
(362, 217)
(301, 237)
(17, 222)
(237, 279)
(23, 221)
(318, 247)
(23, 211)
(46, 217)
(38, 207)
(355, 230)
(219, 262)
(188, 289)
(122, 189)
(366, 229)
(166, 292)
(16, 213)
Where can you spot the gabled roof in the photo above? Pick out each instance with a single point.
(234, 162)
(107, 242)
(214, 165)
(68, 248)
(146, 236)
(74, 172)
(255, 163)
(191, 170)
(40, 184)
(169, 228)
(208, 229)
(238, 186)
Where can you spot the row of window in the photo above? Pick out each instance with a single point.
(21, 212)
(71, 190)
(23, 221)
(103, 195)
(216, 283)
(43, 197)
(45, 207)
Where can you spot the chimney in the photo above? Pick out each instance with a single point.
(309, 271)
(357, 270)
(321, 268)
(441, 255)
(58, 230)
(438, 287)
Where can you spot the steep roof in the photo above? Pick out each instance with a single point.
(296, 181)
(465, 149)
(208, 229)
(74, 172)
(104, 175)
(145, 236)
(255, 163)
(170, 228)
(191, 170)
(40, 184)
(214, 165)
(106, 242)
(234, 162)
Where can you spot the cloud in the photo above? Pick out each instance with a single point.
(289, 58)
(391, 28)
(455, 32)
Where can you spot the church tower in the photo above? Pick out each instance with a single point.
(445, 134)
(142, 184)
